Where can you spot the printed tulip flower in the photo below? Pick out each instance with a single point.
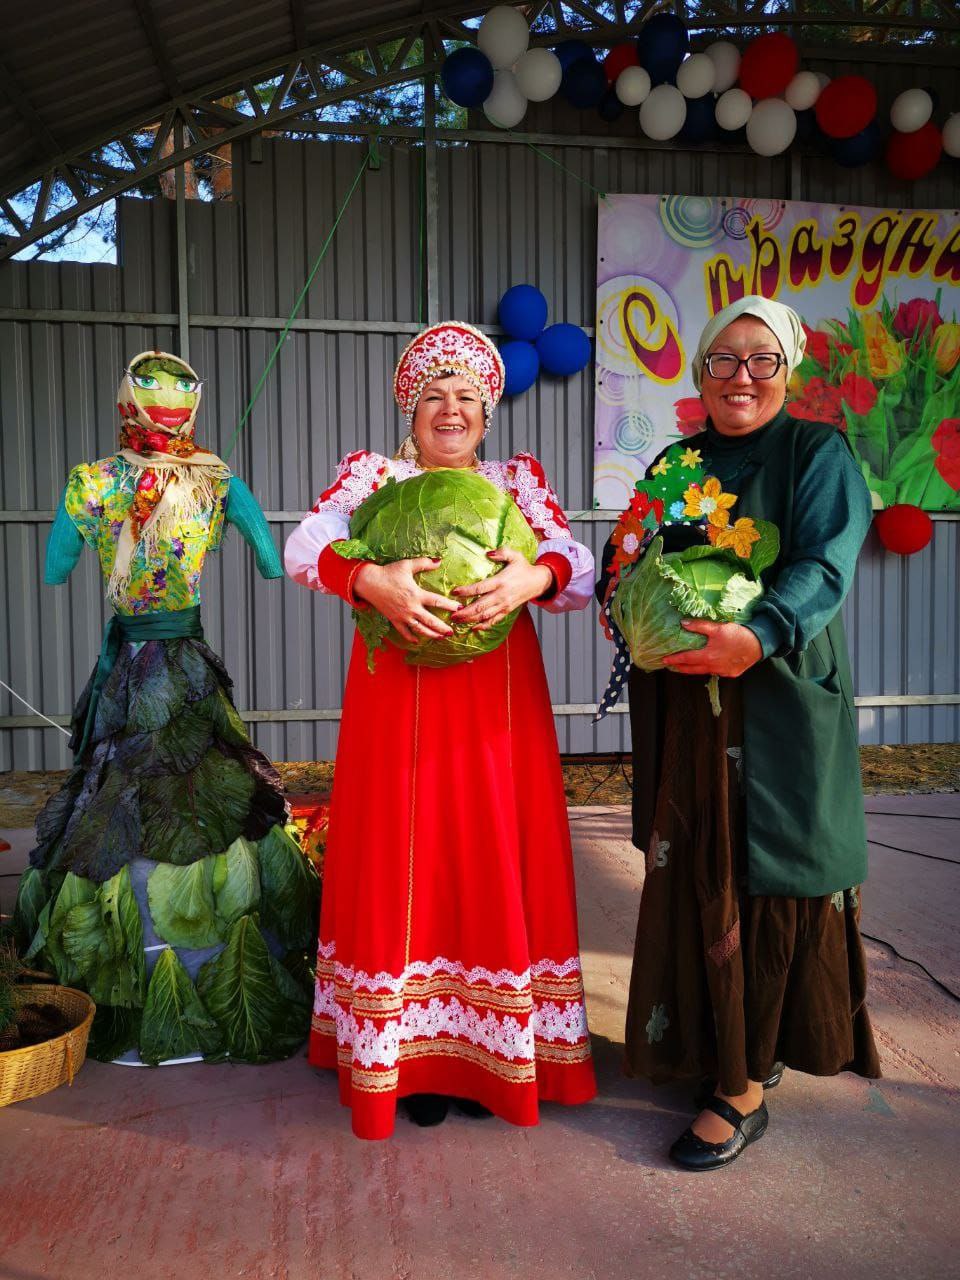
(859, 394)
(946, 347)
(819, 402)
(916, 319)
(884, 355)
(946, 446)
(691, 415)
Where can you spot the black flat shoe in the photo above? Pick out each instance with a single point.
(426, 1109)
(693, 1153)
(475, 1110)
(708, 1087)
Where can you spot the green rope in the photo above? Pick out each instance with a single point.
(583, 182)
(367, 159)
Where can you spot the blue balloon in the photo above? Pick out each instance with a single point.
(523, 312)
(661, 46)
(522, 364)
(610, 108)
(808, 131)
(584, 83)
(564, 349)
(467, 77)
(569, 51)
(860, 149)
(701, 122)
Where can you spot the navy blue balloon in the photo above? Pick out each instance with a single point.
(610, 108)
(584, 83)
(570, 51)
(661, 46)
(808, 131)
(860, 149)
(701, 122)
(522, 364)
(467, 77)
(564, 349)
(523, 312)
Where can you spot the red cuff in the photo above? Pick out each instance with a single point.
(562, 572)
(338, 574)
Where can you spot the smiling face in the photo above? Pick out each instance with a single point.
(448, 422)
(165, 392)
(741, 404)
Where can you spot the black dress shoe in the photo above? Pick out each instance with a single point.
(475, 1110)
(708, 1087)
(426, 1109)
(693, 1153)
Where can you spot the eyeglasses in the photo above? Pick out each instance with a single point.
(761, 365)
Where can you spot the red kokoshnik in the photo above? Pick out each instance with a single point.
(447, 348)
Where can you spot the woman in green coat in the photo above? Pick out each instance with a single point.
(748, 952)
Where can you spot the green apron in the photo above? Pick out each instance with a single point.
(806, 832)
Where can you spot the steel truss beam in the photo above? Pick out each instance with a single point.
(273, 95)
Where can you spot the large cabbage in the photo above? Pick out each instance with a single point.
(658, 591)
(456, 516)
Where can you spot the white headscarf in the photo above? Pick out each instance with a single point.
(782, 321)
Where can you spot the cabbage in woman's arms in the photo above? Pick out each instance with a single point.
(455, 516)
(717, 577)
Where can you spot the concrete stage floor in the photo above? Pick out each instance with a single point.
(223, 1171)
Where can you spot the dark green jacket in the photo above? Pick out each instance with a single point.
(806, 833)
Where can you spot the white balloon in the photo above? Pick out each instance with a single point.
(663, 113)
(911, 110)
(696, 76)
(823, 78)
(503, 36)
(951, 135)
(772, 127)
(506, 106)
(633, 86)
(726, 60)
(803, 90)
(734, 109)
(538, 74)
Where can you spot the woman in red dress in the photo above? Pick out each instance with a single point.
(448, 964)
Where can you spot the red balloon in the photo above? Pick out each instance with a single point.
(619, 58)
(904, 529)
(914, 155)
(846, 106)
(768, 65)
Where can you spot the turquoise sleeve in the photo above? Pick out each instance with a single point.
(832, 517)
(64, 545)
(244, 512)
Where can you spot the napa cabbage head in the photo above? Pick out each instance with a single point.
(455, 516)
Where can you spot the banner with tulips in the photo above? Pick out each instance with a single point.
(879, 293)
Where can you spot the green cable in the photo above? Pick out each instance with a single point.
(583, 182)
(296, 306)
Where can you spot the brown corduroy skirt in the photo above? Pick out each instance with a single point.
(726, 984)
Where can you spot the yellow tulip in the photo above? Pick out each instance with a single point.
(884, 353)
(946, 347)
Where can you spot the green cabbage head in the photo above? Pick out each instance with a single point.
(456, 516)
(657, 592)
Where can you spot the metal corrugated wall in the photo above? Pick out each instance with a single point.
(505, 214)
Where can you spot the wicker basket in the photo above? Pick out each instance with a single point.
(26, 1073)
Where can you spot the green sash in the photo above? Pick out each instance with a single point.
(166, 624)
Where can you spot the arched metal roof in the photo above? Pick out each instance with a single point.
(98, 95)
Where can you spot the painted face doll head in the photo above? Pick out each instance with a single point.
(158, 401)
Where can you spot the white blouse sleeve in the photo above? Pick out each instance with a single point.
(540, 505)
(357, 476)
